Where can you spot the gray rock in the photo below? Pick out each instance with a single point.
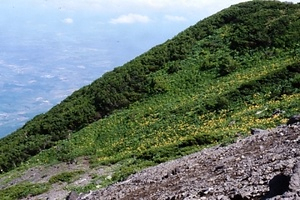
(72, 196)
(257, 131)
(277, 112)
(295, 178)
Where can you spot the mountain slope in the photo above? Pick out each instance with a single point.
(234, 70)
(223, 42)
(261, 166)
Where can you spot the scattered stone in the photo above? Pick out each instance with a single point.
(167, 175)
(219, 168)
(255, 131)
(205, 192)
(175, 171)
(277, 112)
(72, 196)
(295, 178)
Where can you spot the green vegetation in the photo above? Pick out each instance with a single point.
(23, 190)
(206, 86)
(65, 177)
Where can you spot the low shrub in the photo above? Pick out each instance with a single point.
(65, 177)
(23, 190)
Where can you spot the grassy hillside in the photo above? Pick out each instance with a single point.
(208, 85)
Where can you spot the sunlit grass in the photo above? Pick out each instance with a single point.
(171, 120)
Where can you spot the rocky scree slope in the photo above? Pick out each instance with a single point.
(265, 165)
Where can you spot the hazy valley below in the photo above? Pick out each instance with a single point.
(37, 73)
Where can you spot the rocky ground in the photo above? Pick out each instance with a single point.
(265, 165)
(59, 190)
